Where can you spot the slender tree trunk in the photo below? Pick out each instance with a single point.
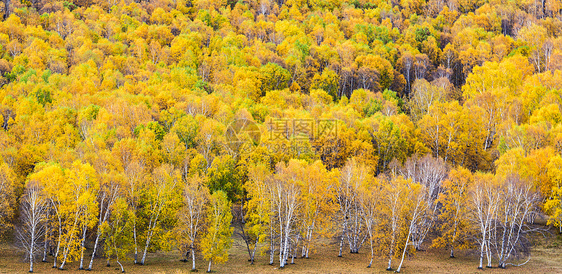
(116, 258)
(295, 251)
(391, 250)
(151, 226)
(45, 246)
(372, 252)
(308, 240)
(307, 249)
(482, 247)
(94, 252)
(481, 255)
(281, 246)
(286, 248)
(296, 248)
(192, 258)
(342, 236)
(66, 249)
(303, 252)
(146, 248)
(488, 255)
(209, 268)
(100, 222)
(135, 239)
(405, 248)
(32, 247)
(271, 249)
(58, 249)
(253, 253)
(281, 251)
(122, 269)
(64, 256)
(247, 241)
(82, 248)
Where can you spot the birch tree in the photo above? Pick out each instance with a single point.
(111, 188)
(78, 209)
(89, 205)
(117, 232)
(191, 216)
(369, 197)
(352, 176)
(135, 174)
(287, 203)
(160, 202)
(260, 218)
(509, 230)
(415, 208)
(218, 237)
(318, 197)
(484, 197)
(394, 194)
(429, 172)
(33, 216)
(52, 179)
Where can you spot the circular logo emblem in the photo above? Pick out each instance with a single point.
(242, 136)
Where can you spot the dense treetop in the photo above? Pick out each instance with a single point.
(86, 76)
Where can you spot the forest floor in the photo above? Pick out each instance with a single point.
(546, 258)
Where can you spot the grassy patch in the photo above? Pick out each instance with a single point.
(546, 259)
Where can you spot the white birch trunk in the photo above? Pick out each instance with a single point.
(193, 258)
(342, 236)
(94, 252)
(82, 248)
(405, 248)
(135, 240)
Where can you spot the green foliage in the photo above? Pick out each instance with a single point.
(43, 96)
(372, 108)
(224, 176)
(422, 34)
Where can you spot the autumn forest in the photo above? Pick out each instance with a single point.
(297, 128)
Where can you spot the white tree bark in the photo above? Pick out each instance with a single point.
(429, 172)
(419, 208)
(82, 247)
(106, 197)
(33, 218)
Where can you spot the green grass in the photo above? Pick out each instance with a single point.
(546, 258)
